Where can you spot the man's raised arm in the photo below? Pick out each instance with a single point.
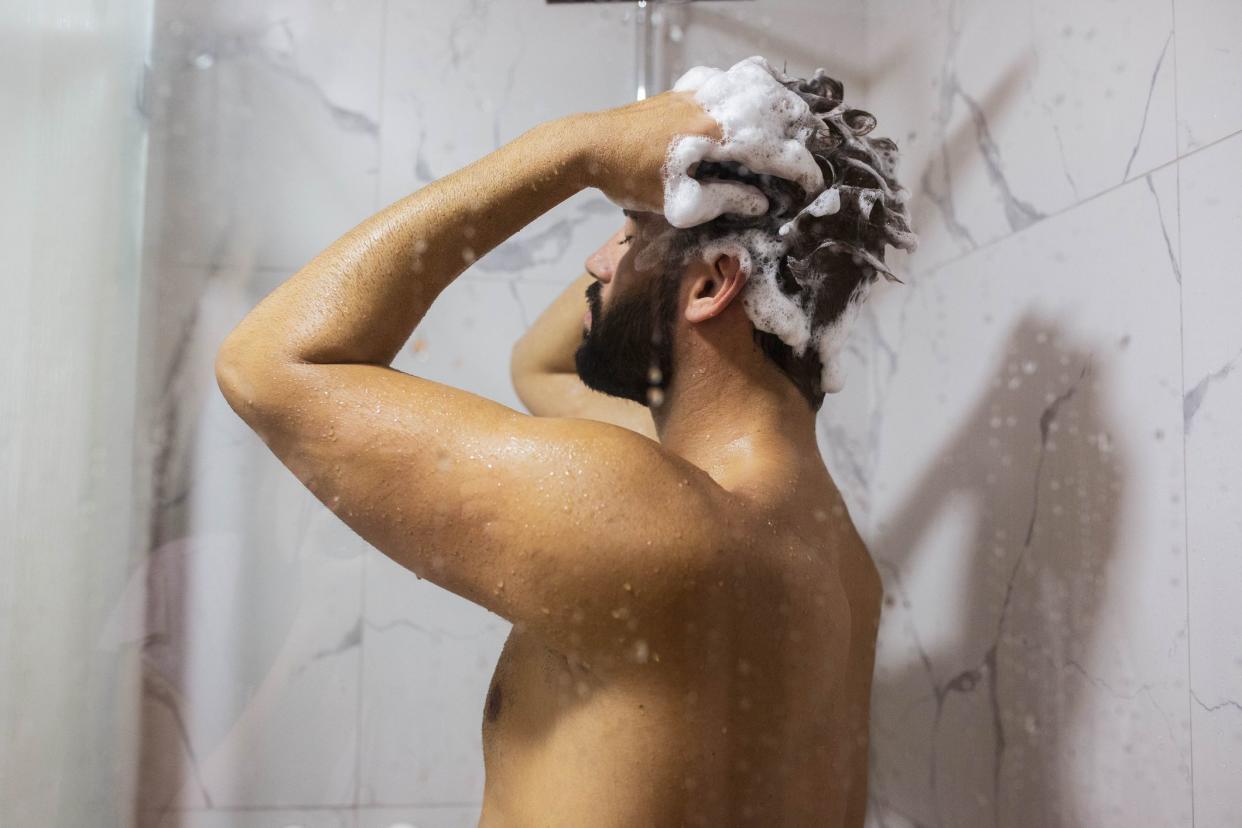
(480, 499)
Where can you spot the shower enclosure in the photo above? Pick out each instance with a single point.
(1034, 437)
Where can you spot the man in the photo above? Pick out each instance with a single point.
(694, 615)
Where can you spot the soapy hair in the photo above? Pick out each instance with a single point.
(813, 256)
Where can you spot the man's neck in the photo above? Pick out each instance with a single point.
(736, 426)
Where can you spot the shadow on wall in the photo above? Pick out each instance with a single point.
(980, 699)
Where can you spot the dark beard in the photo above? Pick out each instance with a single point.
(628, 353)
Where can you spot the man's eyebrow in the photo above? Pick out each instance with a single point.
(631, 214)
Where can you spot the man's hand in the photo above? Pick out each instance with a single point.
(630, 145)
(643, 156)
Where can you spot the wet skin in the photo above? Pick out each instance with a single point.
(694, 615)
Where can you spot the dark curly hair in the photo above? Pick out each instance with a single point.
(831, 257)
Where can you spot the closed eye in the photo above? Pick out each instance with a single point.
(626, 240)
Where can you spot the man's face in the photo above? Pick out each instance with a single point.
(626, 348)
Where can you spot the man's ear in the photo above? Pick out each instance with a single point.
(718, 281)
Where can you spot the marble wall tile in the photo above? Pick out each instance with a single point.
(429, 656)
(265, 134)
(462, 79)
(1028, 521)
(1211, 307)
(1009, 111)
(1209, 71)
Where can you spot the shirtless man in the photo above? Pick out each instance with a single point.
(694, 615)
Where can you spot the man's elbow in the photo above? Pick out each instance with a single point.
(237, 378)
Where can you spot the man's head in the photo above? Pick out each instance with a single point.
(789, 280)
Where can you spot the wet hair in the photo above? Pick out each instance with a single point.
(831, 258)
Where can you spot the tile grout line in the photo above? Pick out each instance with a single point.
(1181, 333)
(1071, 207)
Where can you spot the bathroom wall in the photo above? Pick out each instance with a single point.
(1051, 483)
(1033, 435)
(293, 675)
(73, 145)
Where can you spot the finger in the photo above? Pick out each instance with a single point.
(689, 202)
(788, 159)
(734, 197)
(685, 151)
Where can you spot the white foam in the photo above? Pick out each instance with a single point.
(826, 203)
(764, 126)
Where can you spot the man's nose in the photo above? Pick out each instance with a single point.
(599, 265)
(602, 264)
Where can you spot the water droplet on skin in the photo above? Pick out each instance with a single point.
(467, 254)
(641, 652)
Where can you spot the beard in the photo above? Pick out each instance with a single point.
(628, 352)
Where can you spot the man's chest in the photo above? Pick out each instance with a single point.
(531, 687)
